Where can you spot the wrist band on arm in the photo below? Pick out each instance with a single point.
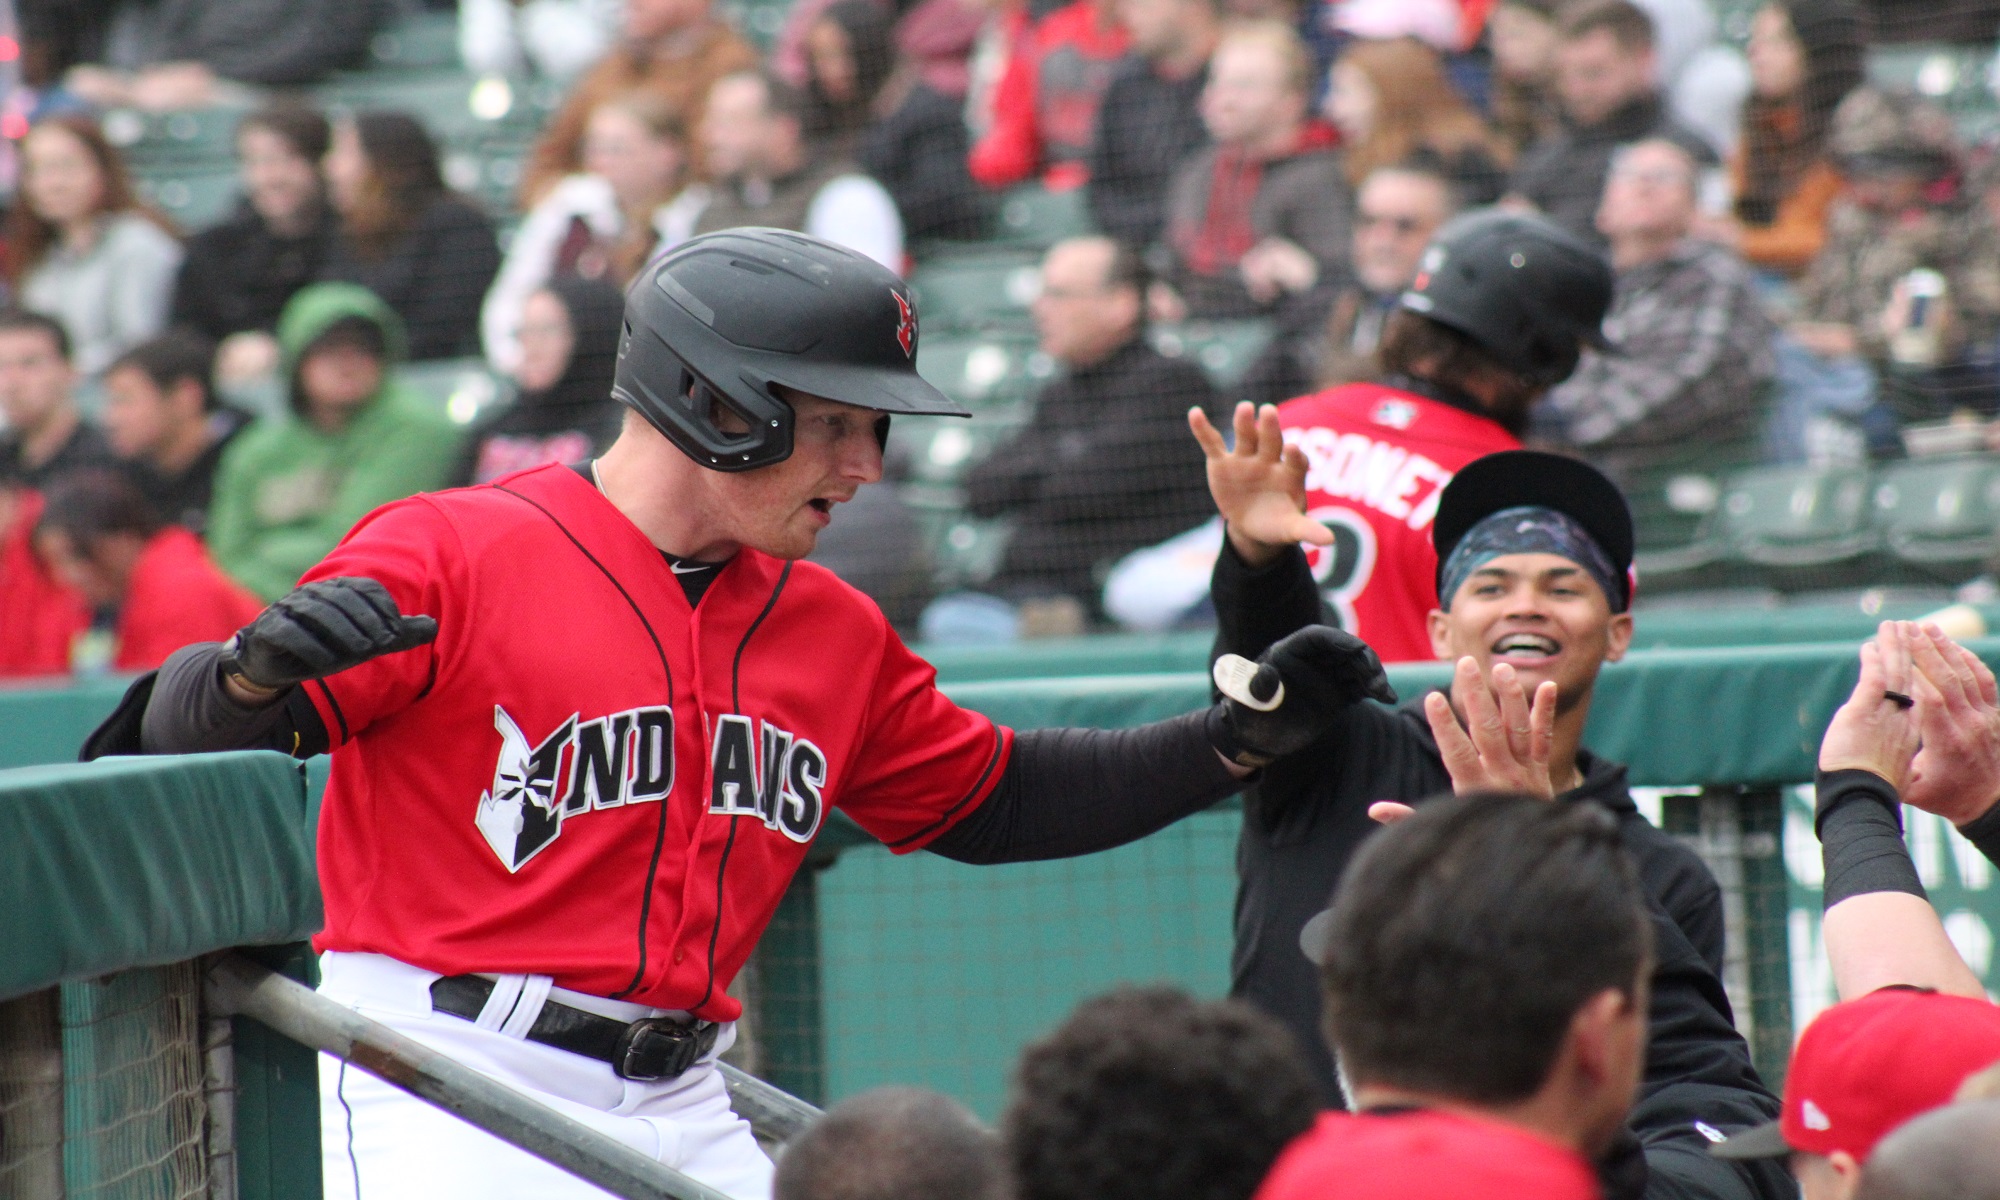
(1861, 837)
(1984, 834)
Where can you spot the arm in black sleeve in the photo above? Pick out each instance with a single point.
(1067, 792)
(1984, 833)
(190, 712)
(1255, 607)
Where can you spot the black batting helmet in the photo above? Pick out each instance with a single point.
(720, 320)
(1528, 291)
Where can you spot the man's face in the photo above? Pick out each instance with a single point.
(101, 576)
(1524, 43)
(279, 183)
(1595, 76)
(1080, 319)
(138, 417)
(647, 20)
(35, 382)
(1395, 216)
(338, 379)
(1247, 97)
(1541, 613)
(1650, 192)
(735, 127)
(1156, 26)
(780, 509)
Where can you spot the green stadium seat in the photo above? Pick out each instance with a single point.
(192, 139)
(1225, 349)
(193, 201)
(976, 291)
(463, 388)
(1797, 516)
(983, 371)
(1940, 511)
(967, 554)
(416, 41)
(940, 450)
(1035, 216)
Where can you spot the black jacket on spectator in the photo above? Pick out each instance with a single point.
(269, 42)
(85, 448)
(238, 275)
(1564, 175)
(183, 499)
(1105, 467)
(1306, 815)
(435, 276)
(1145, 126)
(876, 545)
(918, 153)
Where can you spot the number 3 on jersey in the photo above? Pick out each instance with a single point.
(1342, 569)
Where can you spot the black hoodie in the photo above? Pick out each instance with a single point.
(573, 420)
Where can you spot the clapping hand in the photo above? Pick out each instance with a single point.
(1505, 743)
(1879, 727)
(1956, 773)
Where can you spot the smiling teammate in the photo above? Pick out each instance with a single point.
(1533, 554)
(585, 726)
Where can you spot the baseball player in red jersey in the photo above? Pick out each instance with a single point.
(1493, 320)
(585, 725)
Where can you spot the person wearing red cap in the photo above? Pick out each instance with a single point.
(1861, 1069)
(1535, 909)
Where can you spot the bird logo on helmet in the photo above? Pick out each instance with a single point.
(721, 328)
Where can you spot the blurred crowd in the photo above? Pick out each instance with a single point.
(1806, 264)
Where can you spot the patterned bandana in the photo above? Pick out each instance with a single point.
(1531, 530)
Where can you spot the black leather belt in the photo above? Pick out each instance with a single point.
(644, 1051)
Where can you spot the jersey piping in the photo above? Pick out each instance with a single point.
(945, 817)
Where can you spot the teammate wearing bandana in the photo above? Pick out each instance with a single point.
(1534, 554)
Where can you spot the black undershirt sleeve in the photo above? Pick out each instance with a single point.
(189, 712)
(1067, 792)
(1984, 833)
(1255, 607)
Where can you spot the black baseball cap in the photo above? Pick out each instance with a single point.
(1523, 478)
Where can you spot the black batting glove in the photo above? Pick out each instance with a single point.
(1284, 701)
(321, 629)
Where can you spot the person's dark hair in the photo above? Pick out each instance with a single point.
(1415, 345)
(357, 332)
(24, 319)
(404, 180)
(28, 236)
(893, 1143)
(175, 355)
(90, 505)
(300, 126)
(1626, 22)
(1148, 1092)
(1783, 136)
(868, 29)
(1128, 269)
(1464, 939)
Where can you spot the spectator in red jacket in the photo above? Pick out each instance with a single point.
(153, 582)
(1045, 107)
(40, 617)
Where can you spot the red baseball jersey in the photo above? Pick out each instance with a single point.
(586, 778)
(1425, 1156)
(1378, 458)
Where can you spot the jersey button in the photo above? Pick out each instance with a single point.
(679, 955)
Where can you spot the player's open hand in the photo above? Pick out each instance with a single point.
(1259, 487)
(1284, 701)
(1878, 729)
(320, 629)
(1505, 742)
(1956, 773)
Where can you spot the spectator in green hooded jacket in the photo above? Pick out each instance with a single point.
(290, 486)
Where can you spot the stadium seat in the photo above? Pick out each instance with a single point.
(464, 388)
(194, 200)
(1225, 349)
(967, 552)
(1938, 512)
(1797, 516)
(416, 41)
(976, 291)
(983, 371)
(1035, 216)
(191, 139)
(940, 450)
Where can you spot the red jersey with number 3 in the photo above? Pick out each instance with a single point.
(583, 776)
(1377, 459)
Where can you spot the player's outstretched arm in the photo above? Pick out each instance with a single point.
(1077, 791)
(243, 694)
(1880, 928)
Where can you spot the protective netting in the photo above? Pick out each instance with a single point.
(102, 1090)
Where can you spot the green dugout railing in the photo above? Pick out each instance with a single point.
(880, 968)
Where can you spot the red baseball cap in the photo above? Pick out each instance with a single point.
(1425, 1155)
(1864, 1067)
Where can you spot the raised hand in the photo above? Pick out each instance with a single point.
(1956, 773)
(1259, 487)
(1877, 730)
(321, 629)
(1505, 742)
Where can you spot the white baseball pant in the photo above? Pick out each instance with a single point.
(378, 1142)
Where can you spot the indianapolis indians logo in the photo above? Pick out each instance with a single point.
(628, 758)
(906, 324)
